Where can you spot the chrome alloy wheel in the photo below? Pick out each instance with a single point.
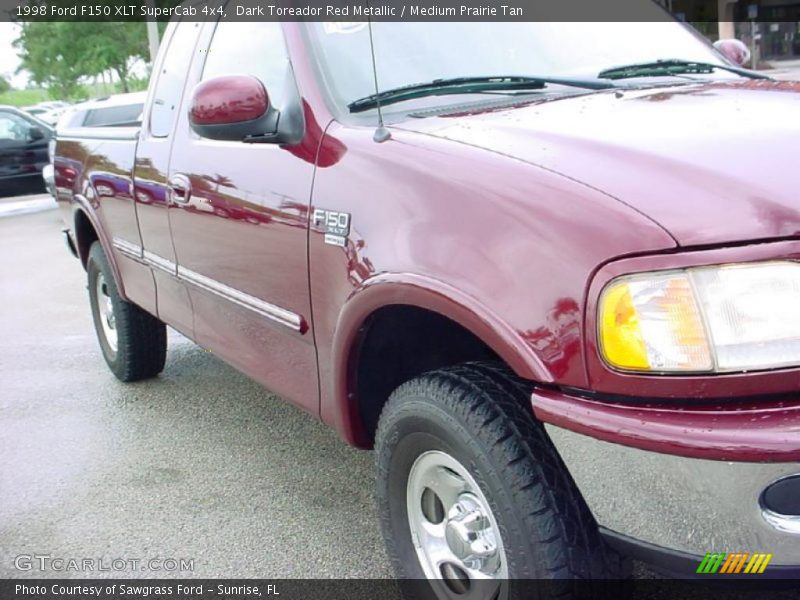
(454, 532)
(105, 309)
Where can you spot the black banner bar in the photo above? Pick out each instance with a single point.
(711, 588)
(394, 10)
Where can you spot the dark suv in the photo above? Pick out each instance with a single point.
(23, 151)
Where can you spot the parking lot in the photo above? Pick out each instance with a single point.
(199, 464)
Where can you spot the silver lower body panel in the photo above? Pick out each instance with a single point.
(689, 505)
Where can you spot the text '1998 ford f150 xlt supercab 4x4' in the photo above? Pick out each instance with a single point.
(507, 256)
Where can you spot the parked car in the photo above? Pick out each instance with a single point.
(119, 110)
(561, 305)
(45, 106)
(49, 178)
(23, 151)
(49, 112)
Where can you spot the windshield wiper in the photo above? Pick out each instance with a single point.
(673, 66)
(469, 85)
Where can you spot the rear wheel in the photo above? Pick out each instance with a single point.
(472, 493)
(134, 342)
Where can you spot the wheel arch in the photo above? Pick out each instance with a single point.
(433, 297)
(86, 226)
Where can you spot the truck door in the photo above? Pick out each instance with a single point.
(151, 186)
(240, 225)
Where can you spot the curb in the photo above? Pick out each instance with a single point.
(22, 205)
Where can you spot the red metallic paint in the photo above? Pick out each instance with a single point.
(245, 226)
(507, 221)
(752, 432)
(305, 71)
(82, 206)
(107, 173)
(712, 163)
(734, 50)
(517, 240)
(424, 292)
(93, 177)
(228, 99)
(316, 147)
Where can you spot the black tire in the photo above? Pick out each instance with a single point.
(479, 413)
(141, 345)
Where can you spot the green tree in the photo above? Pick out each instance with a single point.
(113, 46)
(41, 54)
(58, 55)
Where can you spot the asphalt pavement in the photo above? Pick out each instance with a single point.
(199, 464)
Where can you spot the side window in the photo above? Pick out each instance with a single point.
(252, 49)
(167, 95)
(14, 128)
(114, 116)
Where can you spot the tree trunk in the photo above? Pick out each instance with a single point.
(122, 73)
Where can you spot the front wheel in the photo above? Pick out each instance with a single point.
(134, 342)
(471, 492)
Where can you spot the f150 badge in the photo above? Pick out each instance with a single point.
(335, 225)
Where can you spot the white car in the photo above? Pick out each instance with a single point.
(119, 110)
(49, 112)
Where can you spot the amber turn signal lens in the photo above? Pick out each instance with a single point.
(653, 323)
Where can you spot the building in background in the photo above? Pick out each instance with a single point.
(776, 22)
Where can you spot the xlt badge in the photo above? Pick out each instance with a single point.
(335, 225)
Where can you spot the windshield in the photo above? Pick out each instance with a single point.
(409, 53)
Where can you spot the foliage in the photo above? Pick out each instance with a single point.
(59, 54)
(5, 86)
(23, 97)
(32, 96)
(135, 84)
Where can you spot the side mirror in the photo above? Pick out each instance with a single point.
(233, 108)
(735, 51)
(35, 134)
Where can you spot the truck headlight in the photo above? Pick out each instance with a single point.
(706, 319)
(51, 149)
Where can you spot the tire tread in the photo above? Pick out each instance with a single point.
(141, 337)
(490, 399)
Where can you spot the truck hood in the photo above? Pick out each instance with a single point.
(709, 162)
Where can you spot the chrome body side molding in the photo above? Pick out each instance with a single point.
(130, 250)
(275, 313)
(160, 263)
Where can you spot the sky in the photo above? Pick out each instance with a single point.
(8, 54)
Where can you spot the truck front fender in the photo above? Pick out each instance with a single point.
(425, 293)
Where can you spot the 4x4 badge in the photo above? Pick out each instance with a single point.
(335, 225)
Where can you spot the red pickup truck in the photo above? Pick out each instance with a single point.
(549, 272)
